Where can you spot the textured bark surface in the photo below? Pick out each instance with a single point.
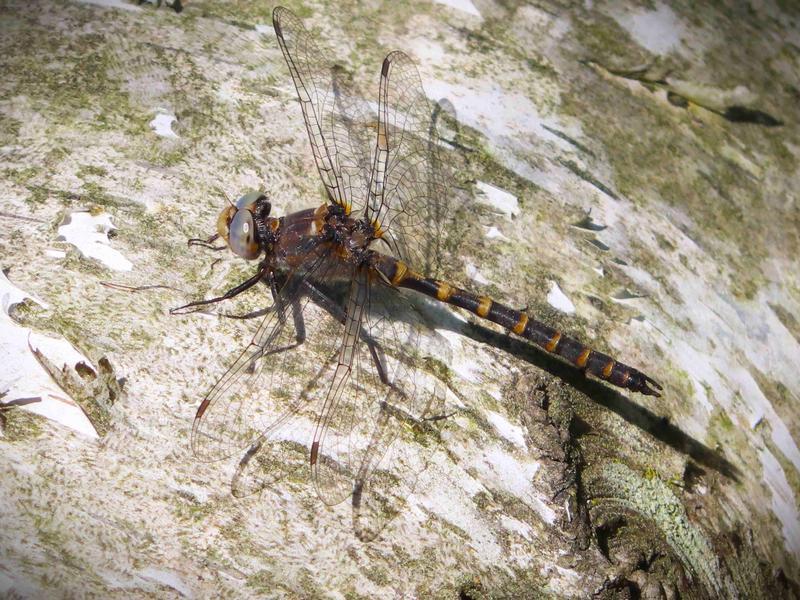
(652, 149)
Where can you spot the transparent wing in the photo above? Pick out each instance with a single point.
(264, 390)
(402, 182)
(283, 449)
(336, 116)
(372, 437)
(409, 182)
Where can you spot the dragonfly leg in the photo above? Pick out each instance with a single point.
(299, 324)
(377, 358)
(264, 270)
(275, 284)
(337, 312)
(207, 243)
(251, 315)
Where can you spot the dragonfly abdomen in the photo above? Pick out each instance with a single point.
(520, 323)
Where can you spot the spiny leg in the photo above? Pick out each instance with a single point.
(207, 243)
(264, 269)
(337, 312)
(277, 282)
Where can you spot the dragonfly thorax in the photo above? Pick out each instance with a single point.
(352, 236)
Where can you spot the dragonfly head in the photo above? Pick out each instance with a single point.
(242, 225)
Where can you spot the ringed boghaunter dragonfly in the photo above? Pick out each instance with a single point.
(336, 273)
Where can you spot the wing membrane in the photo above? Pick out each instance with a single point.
(263, 389)
(409, 183)
(384, 398)
(374, 401)
(402, 183)
(335, 115)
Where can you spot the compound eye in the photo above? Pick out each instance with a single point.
(248, 201)
(243, 235)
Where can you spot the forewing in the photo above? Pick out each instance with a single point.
(409, 181)
(263, 395)
(379, 419)
(335, 115)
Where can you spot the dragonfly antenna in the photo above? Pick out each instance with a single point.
(222, 193)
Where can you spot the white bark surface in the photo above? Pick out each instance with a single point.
(119, 126)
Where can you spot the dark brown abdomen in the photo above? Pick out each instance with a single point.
(598, 364)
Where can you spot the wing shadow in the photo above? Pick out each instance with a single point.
(645, 419)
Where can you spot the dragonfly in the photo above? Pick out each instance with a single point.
(344, 356)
